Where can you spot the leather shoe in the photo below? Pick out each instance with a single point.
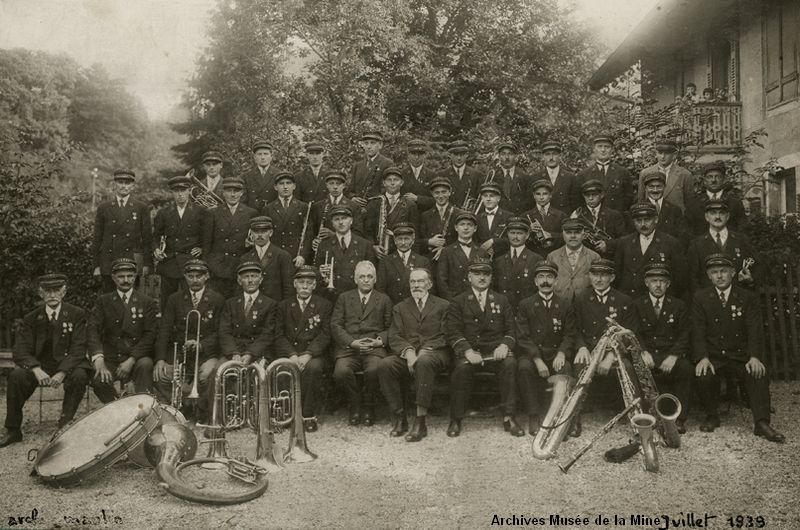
(369, 418)
(680, 425)
(400, 425)
(709, 424)
(511, 425)
(355, 417)
(310, 424)
(10, 436)
(576, 428)
(418, 430)
(454, 429)
(533, 425)
(764, 430)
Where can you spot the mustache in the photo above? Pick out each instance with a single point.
(546, 284)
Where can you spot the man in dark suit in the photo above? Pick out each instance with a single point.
(616, 179)
(321, 222)
(480, 328)
(288, 214)
(394, 208)
(632, 253)
(603, 224)
(465, 181)
(259, 182)
(670, 217)
(545, 221)
(247, 322)
(545, 338)
(662, 323)
(226, 235)
(418, 346)
(303, 335)
(365, 178)
(566, 186)
(122, 334)
(451, 269)
(514, 270)
(212, 169)
(434, 235)
(179, 327)
(719, 239)
(727, 340)
(178, 233)
(340, 253)
(714, 189)
(492, 221)
(514, 182)
(393, 270)
(50, 340)
(417, 176)
(360, 326)
(678, 181)
(121, 230)
(311, 179)
(275, 263)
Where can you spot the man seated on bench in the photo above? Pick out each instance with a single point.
(50, 350)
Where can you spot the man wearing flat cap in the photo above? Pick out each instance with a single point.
(49, 350)
(417, 176)
(226, 235)
(671, 219)
(678, 181)
(394, 269)
(545, 340)
(451, 268)
(718, 238)
(179, 324)
(393, 207)
(121, 230)
(514, 182)
(288, 214)
(603, 224)
(338, 254)
(480, 329)
(465, 181)
(276, 263)
(321, 224)
(212, 169)
(303, 335)
(122, 334)
(311, 178)
(179, 229)
(437, 225)
(662, 323)
(492, 220)
(514, 270)
(616, 179)
(259, 182)
(247, 322)
(573, 260)
(365, 177)
(715, 188)
(728, 341)
(545, 220)
(566, 194)
(633, 252)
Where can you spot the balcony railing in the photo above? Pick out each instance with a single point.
(716, 127)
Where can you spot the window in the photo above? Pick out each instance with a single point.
(781, 28)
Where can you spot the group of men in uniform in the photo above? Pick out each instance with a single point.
(415, 273)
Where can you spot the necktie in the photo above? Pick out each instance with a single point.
(392, 203)
(404, 256)
(601, 298)
(657, 307)
(125, 300)
(302, 305)
(543, 212)
(285, 204)
(604, 169)
(342, 244)
(546, 302)
(482, 302)
(248, 304)
(594, 215)
(52, 316)
(722, 298)
(658, 207)
(719, 241)
(419, 305)
(573, 259)
(363, 302)
(514, 255)
(195, 300)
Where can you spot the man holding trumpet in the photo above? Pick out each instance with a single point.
(544, 219)
(339, 253)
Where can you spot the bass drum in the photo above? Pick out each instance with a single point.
(97, 441)
(145, 454)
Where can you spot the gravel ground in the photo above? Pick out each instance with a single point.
(363, 478)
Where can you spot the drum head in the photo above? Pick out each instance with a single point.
(145, 455)
(98, 440)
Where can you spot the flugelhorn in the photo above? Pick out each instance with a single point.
(201, 195)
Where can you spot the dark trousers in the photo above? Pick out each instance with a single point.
(393, 375)
(310, 383)
(463, 376)
(170, 286)
(679, 381)
(758, 389)
(141, 374)
(22, 384)
(344, 373)
(532, 387)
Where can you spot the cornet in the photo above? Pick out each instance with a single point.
(329, 266)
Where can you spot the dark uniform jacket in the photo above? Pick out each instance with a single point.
(403, 211)
(311, 188)
(591, 315)
(496, 233)
(252, 333)
(181, 235)
(733, 332)
(344, 264)
(467, 327)
(608, 220)
(320, 215)
(393, 274)
(289, 226)
(542, 332)
(431, 224)
(696, 212)
(550, 223)
(350, 322)
(416, 330)
(451, 271)
(259, 190)
(306, 332)
(467, 184)
(566, 189)
(173, 325)
(737, 247)
(59, 345)
(665, 335)
(119, 332)
(122, 233)
(366, 177)
(630, 262)
(226, 235)
(277, 270)
(418, 187)
(514, 278)
(517, 192)
(672, 221)
(618, 184)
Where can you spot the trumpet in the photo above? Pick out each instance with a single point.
(329, 266)
(536, 228)
(201, 195)
(469, 202)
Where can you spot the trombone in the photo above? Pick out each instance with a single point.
(179, 368)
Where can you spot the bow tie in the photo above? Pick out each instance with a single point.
(468, 245)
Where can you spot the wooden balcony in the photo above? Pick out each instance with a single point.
(715, 127)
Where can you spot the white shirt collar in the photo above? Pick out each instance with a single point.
(653, 299)
(576, 251)
(392, 196)
(121, 294)
(726, 291)
(492, 212)
(478, 294)
(659, 203)
(665, 169)
(263, 169)
(364, 296)
(544, 208)
(233, 208)
(123, 200)
(647, 239)
(714, 195)
(552, 172)
(602, 294)
(723, 234)
(300, 302)
(334, 200)
(442, 209)
(254, 295)
(424, 299)
(55, 312)
(517, 250)
(348, 237)
(509, 171)
(262, 250)
(547, 298)
(199, 293)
